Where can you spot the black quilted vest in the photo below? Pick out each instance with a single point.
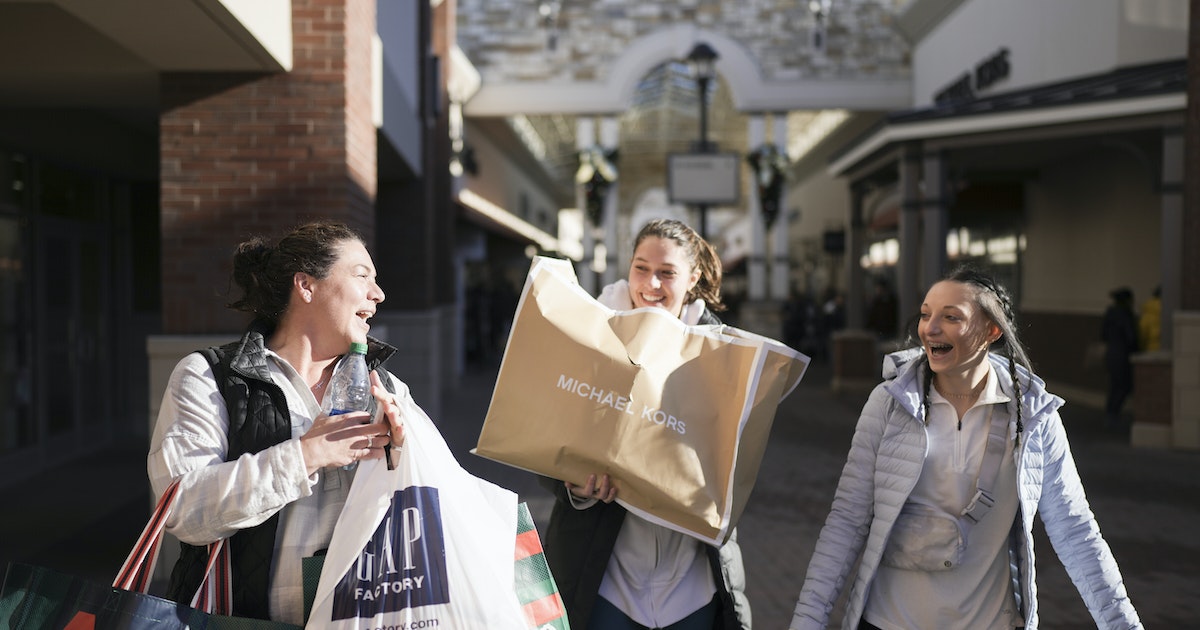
(258, 419)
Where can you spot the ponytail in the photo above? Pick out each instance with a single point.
(708, 287)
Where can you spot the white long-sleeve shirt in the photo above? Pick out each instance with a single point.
(656, 576)
(218, 498)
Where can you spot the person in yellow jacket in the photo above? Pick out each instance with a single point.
(1150, 322)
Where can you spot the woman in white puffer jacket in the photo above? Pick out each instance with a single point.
(917, 460)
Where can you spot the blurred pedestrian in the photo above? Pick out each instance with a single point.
(1119, 332)
(503, 306)
(833, 319)
(881, 318)
(796, 313)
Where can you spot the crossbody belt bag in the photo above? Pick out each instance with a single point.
(926, 538)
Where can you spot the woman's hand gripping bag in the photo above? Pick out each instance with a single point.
(427, 545)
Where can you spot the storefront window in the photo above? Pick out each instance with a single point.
(16, 387)
(998, 250)
(68, 194)
(14, 175)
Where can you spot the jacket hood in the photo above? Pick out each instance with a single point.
(904, 369)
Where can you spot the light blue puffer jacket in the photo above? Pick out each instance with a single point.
(885, 460)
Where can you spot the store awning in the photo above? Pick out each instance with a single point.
(492, 217)
(1147, 89)
(86, 53)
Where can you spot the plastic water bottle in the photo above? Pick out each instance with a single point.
(350, 385)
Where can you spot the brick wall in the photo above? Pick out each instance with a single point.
(1153, 396)
(253, 154)
(355, 60)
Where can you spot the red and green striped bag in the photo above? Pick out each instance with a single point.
(535, 585)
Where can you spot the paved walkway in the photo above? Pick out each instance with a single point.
(83, 518)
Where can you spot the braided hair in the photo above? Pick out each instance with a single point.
(996, 303)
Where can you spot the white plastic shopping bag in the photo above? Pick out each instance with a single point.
(427, 545)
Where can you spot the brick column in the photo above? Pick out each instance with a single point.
(1185, 344)
(1153, 373)
(256, 154)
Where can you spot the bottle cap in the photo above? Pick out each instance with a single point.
(358, 348)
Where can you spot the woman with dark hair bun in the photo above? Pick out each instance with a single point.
(616, 570)
(241, 426)
(953, 456)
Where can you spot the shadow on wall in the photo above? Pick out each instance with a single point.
(1066, 350)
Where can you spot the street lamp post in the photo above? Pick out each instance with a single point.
(701, 61)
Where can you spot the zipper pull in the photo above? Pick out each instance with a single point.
(960, 424)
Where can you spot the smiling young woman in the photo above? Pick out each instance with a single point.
(616, 570)
(970, 447)
(661, 275)
(956, 335)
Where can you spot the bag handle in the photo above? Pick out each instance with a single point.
(215, 594)
(989, 469)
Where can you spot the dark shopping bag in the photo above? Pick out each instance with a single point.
(37, 598)
(34, 598)
(226, 622)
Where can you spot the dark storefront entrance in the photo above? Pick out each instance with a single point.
(69, 329)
